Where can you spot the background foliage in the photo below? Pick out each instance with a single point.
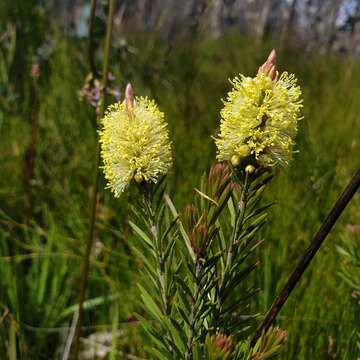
(43, 221)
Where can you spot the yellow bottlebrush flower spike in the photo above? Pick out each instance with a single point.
(134, 142)
(259, 118)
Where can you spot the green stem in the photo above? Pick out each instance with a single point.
(238, 225)
(160, 260)
(91, 39)
(190, 340)
(105, 69)
(95, 189)
(159, 257)
(233, 245)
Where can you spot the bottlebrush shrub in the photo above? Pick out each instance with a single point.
(194, 263)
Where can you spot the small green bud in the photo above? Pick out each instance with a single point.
(138, 178)
(235, 160)
(243, 151)
(264, 160)
(250, 169)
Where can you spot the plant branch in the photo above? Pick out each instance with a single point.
(309, 254)
(190, 340)
(159, 256)
(233, 244)
(237, 228)
(95, 188)
(159, 251)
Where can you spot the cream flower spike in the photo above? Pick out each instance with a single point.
(134, 142)
(259, 119)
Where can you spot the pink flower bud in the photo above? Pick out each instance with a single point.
(129, 97)
(269, 66)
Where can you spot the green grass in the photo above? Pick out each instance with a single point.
(41, 246)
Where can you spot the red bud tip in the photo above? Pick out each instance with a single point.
(272, 57)
(272, 72)
(129, 97)
(269, 66)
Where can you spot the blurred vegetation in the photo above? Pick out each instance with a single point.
(43, 221)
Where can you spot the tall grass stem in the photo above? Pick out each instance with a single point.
(91, 48)
(309, 254)
(30, 155)
(94, 195)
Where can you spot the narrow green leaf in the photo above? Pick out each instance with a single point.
(237, 280)
(155, 352)
(45, 267)
(258, 211)
(169, 249)
(184, 316)
(181, 227)
(232, 211)
(206, 196)
(212, 261)
(150, 267)
(89, 304)
(142, 234)
(150, 304)
(222, 203)
(177, 337)
(11, 348)
(183, 285)
(168, 230)
(183, 301)
(239, 301)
